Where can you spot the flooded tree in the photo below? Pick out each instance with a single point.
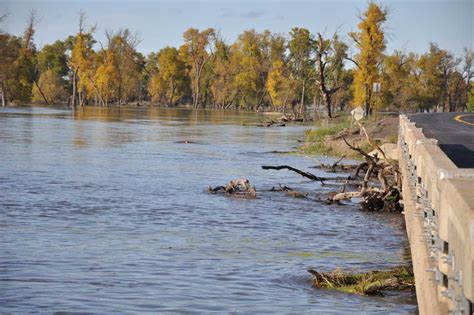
(251, 54)
(301, 63)
(197, 52)
(168, 79)
(81, 62)
(53, 69)
(260, 70)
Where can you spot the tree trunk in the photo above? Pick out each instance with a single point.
(81, 97)
(302, 106)
(367, 101)
(42, 94)
(196, 93)
(74, 79)
(327, 97)
(3, 95)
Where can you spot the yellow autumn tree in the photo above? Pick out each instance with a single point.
(279, 84)
(370, 41)
(156, 88)
(168, 80)
(106, 77)
(81, 63)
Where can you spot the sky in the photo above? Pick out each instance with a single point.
(411, 24)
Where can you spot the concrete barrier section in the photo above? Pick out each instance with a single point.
(439, 215)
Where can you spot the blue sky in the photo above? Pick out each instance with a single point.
(411, 25)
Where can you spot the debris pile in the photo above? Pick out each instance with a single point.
(236, 188)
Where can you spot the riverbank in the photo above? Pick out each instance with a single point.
(329, 139)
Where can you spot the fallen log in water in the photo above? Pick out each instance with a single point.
(368, 283)
(270, 123)
(290, 192)
(303, 173)
(290, 168)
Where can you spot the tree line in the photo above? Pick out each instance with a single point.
(260, 70)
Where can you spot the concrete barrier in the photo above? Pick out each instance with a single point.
(439, 215)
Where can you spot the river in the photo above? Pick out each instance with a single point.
(106, 211)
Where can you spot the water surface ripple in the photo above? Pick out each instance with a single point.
(106, 211)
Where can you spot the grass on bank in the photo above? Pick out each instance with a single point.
(328, 139)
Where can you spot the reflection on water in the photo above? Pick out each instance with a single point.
(106, 211)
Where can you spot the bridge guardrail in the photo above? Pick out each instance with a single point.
(439, 205)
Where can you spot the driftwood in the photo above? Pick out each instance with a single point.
(383, 198)
(290, 192)
(280, 122)
(280, 152)
(290, 168)
(378, 187)
(337, 166)
(291, 118)
(369, 283)
(237, 188)
(306, 174)
(334, 165)
(268, 123)
(376, 180)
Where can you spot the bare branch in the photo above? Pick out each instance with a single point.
(355, 62)
(303, 173)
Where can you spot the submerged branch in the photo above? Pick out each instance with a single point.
(368, 283)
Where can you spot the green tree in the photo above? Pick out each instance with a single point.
(20, 70)
(251, 63)
(128, 64)
(301, 47)
(468, 76)
(330, 55)
(221, 87)
(434, 67)
(50, 87)
(52, 65)
(470, 103)
(399, 80)
(197, 53)
(168, 81)
(9, 50)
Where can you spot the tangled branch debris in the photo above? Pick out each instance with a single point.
(384, 197)
(368, 283)
(378, 186)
